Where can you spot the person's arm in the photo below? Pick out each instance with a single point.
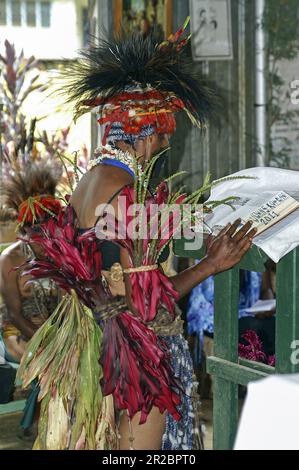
(223, 252)
(267, 291)
(12, 299)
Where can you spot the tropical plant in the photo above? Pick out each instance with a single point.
(20, 140)
(19, 78)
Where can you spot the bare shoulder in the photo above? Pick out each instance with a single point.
(11, 257)
(97, 187)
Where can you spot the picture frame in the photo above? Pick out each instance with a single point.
(211, 30)
(141, 15)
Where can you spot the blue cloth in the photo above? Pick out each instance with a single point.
(123, 166)
(30, 407)
(200, 311)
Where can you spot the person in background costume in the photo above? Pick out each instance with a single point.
(140, 395)
(25, 305)
(27, 302)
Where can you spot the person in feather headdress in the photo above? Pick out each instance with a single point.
(135, 84)
(29, 194)
(25, 308)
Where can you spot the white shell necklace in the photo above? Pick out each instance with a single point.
(125, 158)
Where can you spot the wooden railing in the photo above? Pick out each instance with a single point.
(227, 369)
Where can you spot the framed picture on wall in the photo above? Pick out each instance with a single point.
(142, 15)
(211, 30)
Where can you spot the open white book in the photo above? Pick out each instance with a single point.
(263, 210)
(270, 200)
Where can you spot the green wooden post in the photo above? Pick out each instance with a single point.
(287, 313)
(225, 392)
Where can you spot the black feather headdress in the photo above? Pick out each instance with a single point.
(105, 70)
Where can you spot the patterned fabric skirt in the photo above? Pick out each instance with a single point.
(186, 434)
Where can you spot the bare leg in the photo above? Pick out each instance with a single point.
(147, 436)
(14, 347)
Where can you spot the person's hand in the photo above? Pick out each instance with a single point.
(226, 249)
